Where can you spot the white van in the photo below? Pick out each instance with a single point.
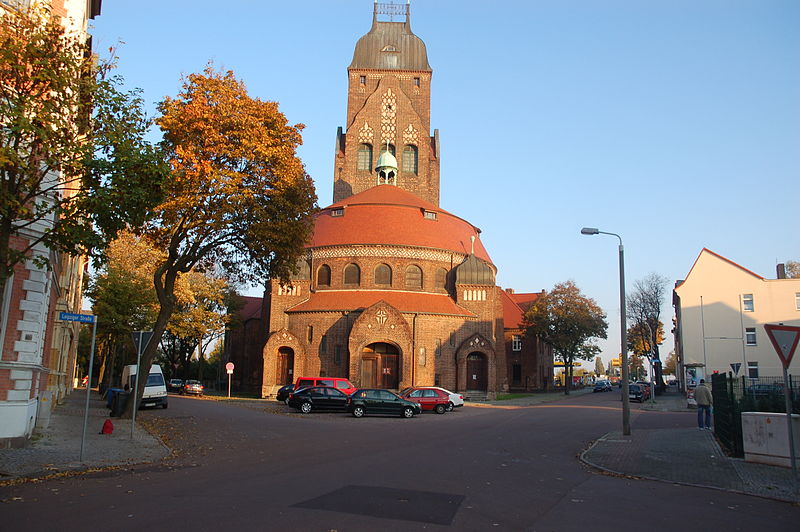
(155, 391)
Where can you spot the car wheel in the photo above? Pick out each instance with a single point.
(449, 407)
(440, 409)
(358, 411)
(305, 408)
(408, 412)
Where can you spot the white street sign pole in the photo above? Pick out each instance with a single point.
(136, 387)
(88, 388)
(229, 369)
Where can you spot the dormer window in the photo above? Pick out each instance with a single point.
(429, 215)
(389, 48)
(337, 212)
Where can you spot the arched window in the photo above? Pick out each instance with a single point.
(365, 157)
(383, 275)
(410, 159)
(324, 275)
(352, 274)
(414, 277)
(441, 279)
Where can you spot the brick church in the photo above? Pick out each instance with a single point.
(394, 291)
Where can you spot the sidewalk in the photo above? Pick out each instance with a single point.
(57, 449)
(687, 456)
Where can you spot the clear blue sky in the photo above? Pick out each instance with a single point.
(675, 123)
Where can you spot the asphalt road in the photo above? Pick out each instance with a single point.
(241, 467)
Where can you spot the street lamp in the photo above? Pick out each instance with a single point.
(626, 404)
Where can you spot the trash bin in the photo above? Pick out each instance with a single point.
(120, 400)
(110, 393)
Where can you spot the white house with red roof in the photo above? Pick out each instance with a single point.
(721, 308)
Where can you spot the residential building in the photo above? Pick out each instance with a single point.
(720, 312)
(38, 351)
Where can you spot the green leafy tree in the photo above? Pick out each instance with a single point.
(568, 321)
(671, 364)
(599, 368)
(75, 167)
(237, 196)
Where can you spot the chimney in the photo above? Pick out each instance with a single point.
(509, 290)
(781, 271)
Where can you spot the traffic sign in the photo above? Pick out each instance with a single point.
(735, 367)
(784, 339)
(229, 367)
(69, 316)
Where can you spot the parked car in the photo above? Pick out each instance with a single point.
(340, 383)
(309, 400)
(648, 389)
(175, 385)
(456, 399)
(193, 387)
(283, 393)
(428, 398)
(369, 401)
(637, 392)
(602, 386)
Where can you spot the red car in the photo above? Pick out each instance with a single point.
(428, 398)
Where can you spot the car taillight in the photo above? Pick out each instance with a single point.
(291, 395)
(461, 397)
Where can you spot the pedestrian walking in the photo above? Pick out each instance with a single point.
(703, 397)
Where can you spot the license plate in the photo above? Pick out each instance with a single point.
(149, 404)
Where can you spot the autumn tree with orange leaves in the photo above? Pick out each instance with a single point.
(238, 199)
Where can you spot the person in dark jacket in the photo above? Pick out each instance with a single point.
(702, 395)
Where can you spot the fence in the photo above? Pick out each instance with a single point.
(734, 395)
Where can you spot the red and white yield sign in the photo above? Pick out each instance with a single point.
(784, 339)
(229, 367)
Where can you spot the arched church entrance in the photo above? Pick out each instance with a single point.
(477, 372)
(285, 373)
(380, 366)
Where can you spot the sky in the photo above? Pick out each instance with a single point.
(673, 123)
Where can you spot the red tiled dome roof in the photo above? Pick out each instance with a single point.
(388, 215)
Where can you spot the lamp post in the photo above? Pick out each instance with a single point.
(626, 404)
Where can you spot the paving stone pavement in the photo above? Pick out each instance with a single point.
(57, 448)
(688, 456)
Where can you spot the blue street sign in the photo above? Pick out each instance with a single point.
(69, 316)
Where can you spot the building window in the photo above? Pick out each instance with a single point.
(416, 82)
(441, 279)
(750, 336)
(362, 80)
(516, 373)
(747, 303)
(423, 354)
(752, 370)
(414, 277)
(364, 157)
(516, 342)
(352, 274)
(337, 212)
(324, 275)
(410, 159)
(436, 381)
(383, 149)
(429, 215)
(337, 354)
(438, 351)
(452, 339)
(310, 333)
(797, 300)
(323, 344)
(383, 275)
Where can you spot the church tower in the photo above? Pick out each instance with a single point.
(388, 109)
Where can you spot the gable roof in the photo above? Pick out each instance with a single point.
(717, 255)
(251, 309)
(514, 307)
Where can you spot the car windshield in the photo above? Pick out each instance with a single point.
(155, 379)
(192, 383)
(634, 388)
